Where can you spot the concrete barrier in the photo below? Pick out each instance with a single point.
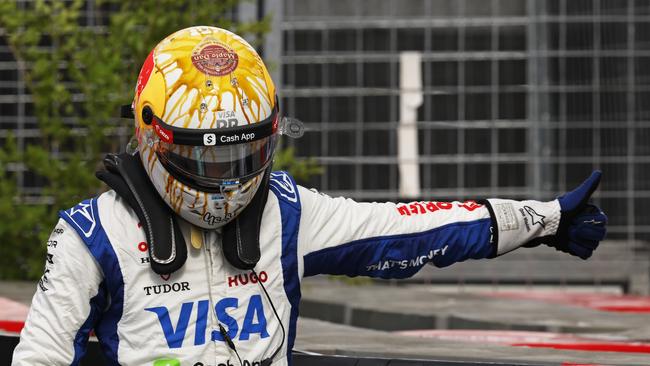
(615, 263)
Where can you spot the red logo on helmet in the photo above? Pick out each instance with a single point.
(164, 134)
(214, 59)
(145, 73)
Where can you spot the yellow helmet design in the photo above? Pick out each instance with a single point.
(206, 120)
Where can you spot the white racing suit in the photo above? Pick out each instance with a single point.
(98, 276)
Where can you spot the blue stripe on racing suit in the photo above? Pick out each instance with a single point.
(401, 256)
(284, 187)
(84, 218)
(97, 305)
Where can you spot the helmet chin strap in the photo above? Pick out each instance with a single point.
(167, 249)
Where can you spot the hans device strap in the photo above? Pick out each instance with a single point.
(124, 173)
(167, 249)
(241, 236)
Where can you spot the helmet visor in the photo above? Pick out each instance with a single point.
(214, 166)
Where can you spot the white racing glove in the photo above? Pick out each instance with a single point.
(568, 223)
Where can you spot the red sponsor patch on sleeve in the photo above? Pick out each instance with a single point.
(418, 208)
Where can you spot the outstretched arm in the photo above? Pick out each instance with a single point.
(388, 240)
(66, 300)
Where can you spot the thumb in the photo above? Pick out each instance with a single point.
(577, 198)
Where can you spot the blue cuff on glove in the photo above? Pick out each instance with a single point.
(582, 225)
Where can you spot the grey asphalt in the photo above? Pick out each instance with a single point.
(328, 338)
(421, 307)
(20, 291)
(389, 308)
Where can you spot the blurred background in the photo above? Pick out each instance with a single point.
(520, 99)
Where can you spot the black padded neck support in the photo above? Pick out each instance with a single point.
(167, 249)
(125, 174)
(241, 237)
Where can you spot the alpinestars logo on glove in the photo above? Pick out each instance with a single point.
(535, 218)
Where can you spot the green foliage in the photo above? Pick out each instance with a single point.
(20, 223)
(301, 169)
(78, 77)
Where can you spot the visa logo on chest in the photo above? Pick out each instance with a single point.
(254, 321)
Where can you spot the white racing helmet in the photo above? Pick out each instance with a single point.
(206, 120)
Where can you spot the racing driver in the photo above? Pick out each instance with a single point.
(196, 254)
